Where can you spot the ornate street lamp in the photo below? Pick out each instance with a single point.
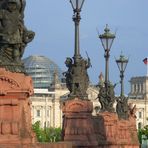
(77, 79)
(122, 108)
(122, 63)
(77, 6)
(107, 40)
(106, 94)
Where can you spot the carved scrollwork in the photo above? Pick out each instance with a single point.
(9, 81)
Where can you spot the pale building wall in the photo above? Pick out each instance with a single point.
(42, 110)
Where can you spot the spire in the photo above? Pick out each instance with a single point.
(101, 79)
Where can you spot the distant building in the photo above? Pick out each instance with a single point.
(139, 95)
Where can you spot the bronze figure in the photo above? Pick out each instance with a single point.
(14, 36)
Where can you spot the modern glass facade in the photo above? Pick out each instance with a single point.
(42, 70)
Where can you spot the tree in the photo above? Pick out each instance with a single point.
(143, 131)
(46, 134)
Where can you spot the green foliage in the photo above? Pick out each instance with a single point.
(46, 134)
(140, 136)
(143, 131)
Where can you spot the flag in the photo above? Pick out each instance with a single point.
(145, 61)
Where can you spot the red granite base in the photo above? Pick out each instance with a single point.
(15, 111)
(118, 146)
(78, 124)
(114, 133)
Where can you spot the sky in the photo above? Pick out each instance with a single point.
(51, 20)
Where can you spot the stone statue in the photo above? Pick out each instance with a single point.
(14, 36)
(77, 79)
(101, 80)
(122, 107)
(106, 97)
(132, 110)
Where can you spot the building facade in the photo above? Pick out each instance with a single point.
(139, 95)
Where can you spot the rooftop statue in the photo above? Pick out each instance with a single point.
(14, 36)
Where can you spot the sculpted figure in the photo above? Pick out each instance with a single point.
(9, 28)
(132, 110)
(13, 34)
(77, 79)
(122, 108)
(68, 74)
(106, 97)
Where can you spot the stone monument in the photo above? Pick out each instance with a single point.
(15, 86)
(77, 119)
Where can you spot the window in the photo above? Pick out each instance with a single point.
(139, 125)
(140, 115)
(47, 113)
(48, 124)
(45, 125)
(135, 88)
(38, 113)
(141, 87)
(138, 87)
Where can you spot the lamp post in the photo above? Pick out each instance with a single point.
(107, 40)
(122, 63)
(106, 94)
(77, 6)
(77, 79)
(122, 101)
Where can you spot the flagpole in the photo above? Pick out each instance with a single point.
(147, 67)
(146, 63)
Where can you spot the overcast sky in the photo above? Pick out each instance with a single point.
(51, 20)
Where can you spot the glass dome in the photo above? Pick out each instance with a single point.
(42, 70)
